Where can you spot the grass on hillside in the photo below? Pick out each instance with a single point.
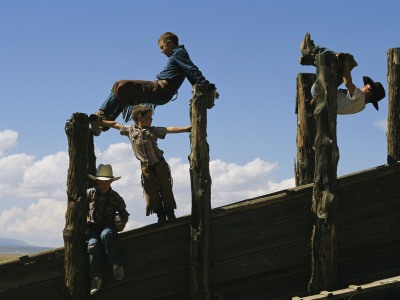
(5, 257)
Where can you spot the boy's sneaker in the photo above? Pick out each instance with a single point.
(95, 285)
(118, 272)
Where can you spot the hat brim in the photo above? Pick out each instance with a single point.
(104, 178)
(369, 81)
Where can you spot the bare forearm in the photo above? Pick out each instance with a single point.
(347, 79)
(111, 124)
(178, 129)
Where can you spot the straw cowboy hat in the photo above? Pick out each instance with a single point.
(104, 172)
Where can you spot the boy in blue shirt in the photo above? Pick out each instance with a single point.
(126, 94)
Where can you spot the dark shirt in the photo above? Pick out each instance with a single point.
(179, 66)
(102, 208)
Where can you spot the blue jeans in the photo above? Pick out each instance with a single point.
(98, 236)
(320, 50)
(111, 107)
(132, 92)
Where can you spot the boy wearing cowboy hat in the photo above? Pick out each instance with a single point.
(156, 173)
(104, 202)
(352, 100)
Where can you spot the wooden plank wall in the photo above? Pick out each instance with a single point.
(259, 248)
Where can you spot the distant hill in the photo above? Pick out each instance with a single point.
(12, 246)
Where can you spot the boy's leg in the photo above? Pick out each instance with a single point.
(108, 236)
(308, 51)
(134, 92)
(108, 239)
(150, 187)
(94, 252)
(164, 179)
(109, 110)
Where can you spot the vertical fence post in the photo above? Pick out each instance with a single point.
(201, 192)
(324, 201)
(74, 233)
(304, 169)
(393, 126)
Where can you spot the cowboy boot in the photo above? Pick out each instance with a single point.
(170, 214)
(307, 47)
(161, 215)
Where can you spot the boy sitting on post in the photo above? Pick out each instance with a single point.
(125, 94)
(103, 226)
(156, 173)
(352, 100)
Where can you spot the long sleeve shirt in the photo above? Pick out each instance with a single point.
(102, 208)
(179, 66)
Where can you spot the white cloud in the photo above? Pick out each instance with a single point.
(40, 224)
(44, 183)
(12, 169)
(382, 124)
(46, 177)
(8, 140)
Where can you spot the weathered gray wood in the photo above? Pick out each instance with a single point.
(74, 233)
(324, 200)
(32, 273)
(201, 192)
(355, 290)
(393, 127)
(45, 290)
(261, 252)
(91, 162)
(304, 169)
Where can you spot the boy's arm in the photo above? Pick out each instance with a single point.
(347, 79)
(111, 124)
(178, 129)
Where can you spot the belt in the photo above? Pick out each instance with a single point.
(161, 159)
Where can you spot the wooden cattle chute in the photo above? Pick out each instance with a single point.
(201, 192)
(393, 130)
(259, 248)
(306, 128)
(325, 199)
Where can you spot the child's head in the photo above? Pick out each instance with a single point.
(164, 38)
(140, 111)
(104, 177)
(168, 42)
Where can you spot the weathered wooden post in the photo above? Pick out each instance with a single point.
(203, 96)
(304, 170)
(74, 233)
(324, 201)
(393, 126)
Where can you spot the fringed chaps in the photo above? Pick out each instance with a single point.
(157, 186)
(134, 92)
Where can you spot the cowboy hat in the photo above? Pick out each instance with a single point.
(104, 172)
(378, 92)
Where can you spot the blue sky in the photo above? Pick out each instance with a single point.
(62, 57)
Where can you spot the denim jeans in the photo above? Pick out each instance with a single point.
(101, 236)
(111, 107)
(320, 50)
(132, 92)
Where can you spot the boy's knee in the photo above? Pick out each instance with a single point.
(92, 246)
(107, 234)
